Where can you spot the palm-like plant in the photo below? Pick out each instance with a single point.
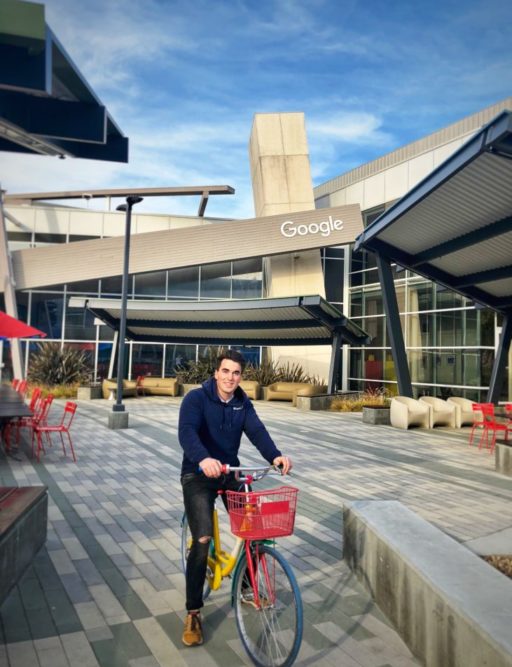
(52, 365)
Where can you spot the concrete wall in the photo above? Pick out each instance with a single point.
(451, 608)
(281, 182)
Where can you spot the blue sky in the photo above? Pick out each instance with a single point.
(183, 79)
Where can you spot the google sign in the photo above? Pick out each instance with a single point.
(324, 228)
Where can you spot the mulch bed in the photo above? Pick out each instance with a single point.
(501, 563)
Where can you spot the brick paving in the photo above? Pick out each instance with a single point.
(107, 589)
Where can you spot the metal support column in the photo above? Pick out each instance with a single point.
(335, 362)
(500, 361)
(394, 328)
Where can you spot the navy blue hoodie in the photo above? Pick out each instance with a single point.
(208, 427)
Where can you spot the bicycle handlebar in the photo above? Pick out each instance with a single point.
(253, 473)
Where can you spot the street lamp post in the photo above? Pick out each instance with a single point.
(118, 418)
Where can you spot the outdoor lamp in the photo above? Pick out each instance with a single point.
(115, 421)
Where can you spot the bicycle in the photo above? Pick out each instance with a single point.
(264, 592)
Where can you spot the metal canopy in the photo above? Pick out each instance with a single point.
(455, 227)
(304, 320)
(46, 106)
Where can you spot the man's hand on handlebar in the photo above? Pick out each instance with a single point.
(211, 467)
(284, 464)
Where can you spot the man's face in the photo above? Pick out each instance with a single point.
(228, 378)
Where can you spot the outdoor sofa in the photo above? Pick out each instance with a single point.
(288, 391)
(405, 412)
(251, 388)
(154, 386)
(109, 388)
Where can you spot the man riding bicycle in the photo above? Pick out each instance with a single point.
(211, 423)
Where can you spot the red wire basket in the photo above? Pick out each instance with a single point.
(259, 515)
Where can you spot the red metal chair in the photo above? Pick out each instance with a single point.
(478, 419)
(140, 385)
(15, 382)
(63, 427)
(40, 418)
(22, 387)
(26, 422)
(491, 425)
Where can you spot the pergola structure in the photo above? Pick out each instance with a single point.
(46, 105)
(455, 228)
(46, 108)
(301, 320)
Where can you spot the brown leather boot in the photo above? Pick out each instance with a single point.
(192, 633)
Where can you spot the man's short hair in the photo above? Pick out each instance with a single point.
(232, 355)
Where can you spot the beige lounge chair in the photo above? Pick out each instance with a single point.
(442, 413)
(464, 415)
(405, 412)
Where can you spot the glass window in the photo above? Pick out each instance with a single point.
(90, 287)
(420, 297)
(448, 299)
(376, 328)
(49, 238)
(334, 253)
(216, 281)
(176, 356)
(420, 329)
(247, 279)
(147, 359)
(46, 313)
(356, 304)
(373, 369)
(487, 327)
(104, 355)
(450, 328)
(112, 285)
(151, 284)
(250, 354)
(79, 324)
(184, 283)
(333, 276)
(105, 332)
(356, 363)
(373, 303)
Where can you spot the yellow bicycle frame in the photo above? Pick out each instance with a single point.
(220, 562)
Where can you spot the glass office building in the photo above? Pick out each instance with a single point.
(450, 342)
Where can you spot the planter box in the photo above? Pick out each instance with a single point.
(377, 416)
(503, 459)
(88, 393)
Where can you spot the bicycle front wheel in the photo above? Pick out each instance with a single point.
(271, 631)
(186, 541)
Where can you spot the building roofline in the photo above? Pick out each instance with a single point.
(456, 130)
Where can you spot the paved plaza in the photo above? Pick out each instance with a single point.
(107, 590)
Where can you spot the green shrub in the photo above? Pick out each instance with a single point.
(196, 372)
(54, 366)
(266, 373)
(371, 398)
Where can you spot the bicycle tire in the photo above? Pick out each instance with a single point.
(271, 635)
(185, 548)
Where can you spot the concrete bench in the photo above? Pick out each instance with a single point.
(23, 525)
(450, 607)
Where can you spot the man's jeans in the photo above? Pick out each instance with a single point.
(199, 493)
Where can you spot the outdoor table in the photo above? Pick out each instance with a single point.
(12, 406)
(9, 395)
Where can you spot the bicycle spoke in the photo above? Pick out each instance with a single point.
(272, 633)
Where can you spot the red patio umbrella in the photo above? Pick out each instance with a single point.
(10, 327)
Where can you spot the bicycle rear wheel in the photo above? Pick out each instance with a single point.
(271, 634)
(186, 541)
